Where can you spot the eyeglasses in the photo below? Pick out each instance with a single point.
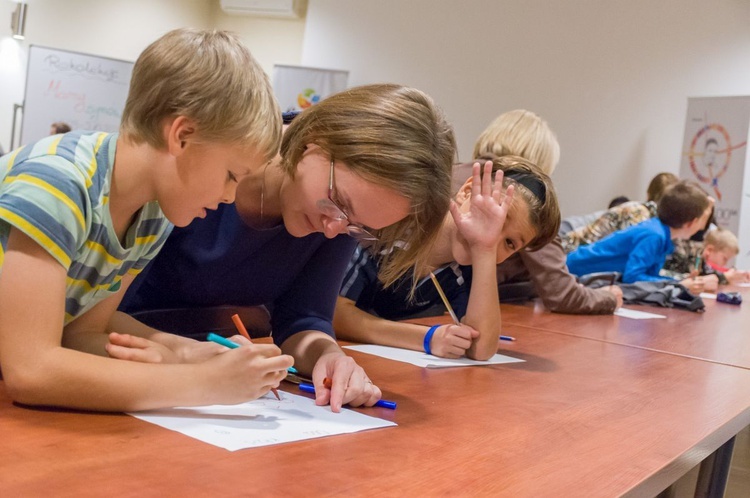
(330, 208)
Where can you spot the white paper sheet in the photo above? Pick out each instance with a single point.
(707, 295)
(638, 315)
(422, 359)
(262, 422)
(743, 285)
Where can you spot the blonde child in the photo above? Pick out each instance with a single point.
(719, 247)
(81, 215)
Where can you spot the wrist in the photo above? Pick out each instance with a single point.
(428, 339)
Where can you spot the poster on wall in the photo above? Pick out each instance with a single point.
(299, 87)
(714, 154)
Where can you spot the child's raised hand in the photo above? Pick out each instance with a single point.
(452, 341)
(482, 225)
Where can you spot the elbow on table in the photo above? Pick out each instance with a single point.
(26, 386)
(481, 354)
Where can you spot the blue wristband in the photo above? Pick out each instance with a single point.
(428, 338)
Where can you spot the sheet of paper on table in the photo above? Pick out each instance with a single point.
(638, 315)
(422, 359)
(262, 422)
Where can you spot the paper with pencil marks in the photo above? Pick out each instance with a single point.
(262, 422)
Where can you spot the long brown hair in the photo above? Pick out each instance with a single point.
(393, 136)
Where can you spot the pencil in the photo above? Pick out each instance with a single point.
(242, 330)
(445, 299)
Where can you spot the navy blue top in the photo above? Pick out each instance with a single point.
(219, 260)
(638, 252)
(362, 286)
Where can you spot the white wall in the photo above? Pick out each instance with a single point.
(272, 41)
(122, 29)
(611, 76)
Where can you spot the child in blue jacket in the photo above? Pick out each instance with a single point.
(638, 252)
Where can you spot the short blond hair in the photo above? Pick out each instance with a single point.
(520, 133)
(210, 77)
(722, 239)
(395, 137)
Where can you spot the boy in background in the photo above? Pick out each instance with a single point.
(82, 214)
(719, 247)
(639, 252)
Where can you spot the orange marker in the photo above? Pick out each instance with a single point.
(327, 383)
(243, 331)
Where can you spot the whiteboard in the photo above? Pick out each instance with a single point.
(86, 91)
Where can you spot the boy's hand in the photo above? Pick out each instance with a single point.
(482, 225)
(452, 341)
(349, 382)
(694, 285)
(617, 292)
(737, 276)
(245, 373)
(180, 350)
(710, 283)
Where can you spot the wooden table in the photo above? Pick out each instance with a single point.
(579, 417)
(721, 334)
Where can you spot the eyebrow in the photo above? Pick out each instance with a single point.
(516, 235)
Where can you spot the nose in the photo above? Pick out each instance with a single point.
(229, 193)
(333, 227)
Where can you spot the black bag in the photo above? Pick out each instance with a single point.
(665, 293)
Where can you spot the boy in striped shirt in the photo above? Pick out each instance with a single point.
(81, 214)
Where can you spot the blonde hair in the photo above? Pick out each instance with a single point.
(722, 239)
(393, 136)
(210, 77)
(520, 133)
(544, 210)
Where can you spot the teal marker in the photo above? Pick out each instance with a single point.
(233, 345)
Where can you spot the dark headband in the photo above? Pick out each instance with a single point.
(288, 116)
(529, 181)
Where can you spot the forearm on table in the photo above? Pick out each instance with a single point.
(483, 310)
(307, 347)
(67, 378)
(354, 324)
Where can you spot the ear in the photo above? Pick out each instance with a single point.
(464, 193)
(312, 149)
(177, 133)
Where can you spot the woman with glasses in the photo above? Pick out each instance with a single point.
(372, 163)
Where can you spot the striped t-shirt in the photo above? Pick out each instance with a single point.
(56, 191)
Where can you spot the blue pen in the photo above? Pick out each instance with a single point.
(507, 338)
(232, 345)
(309, 388)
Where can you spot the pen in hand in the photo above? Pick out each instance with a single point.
(232, 345)
(444, 298)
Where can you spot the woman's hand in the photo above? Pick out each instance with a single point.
(349, 382)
